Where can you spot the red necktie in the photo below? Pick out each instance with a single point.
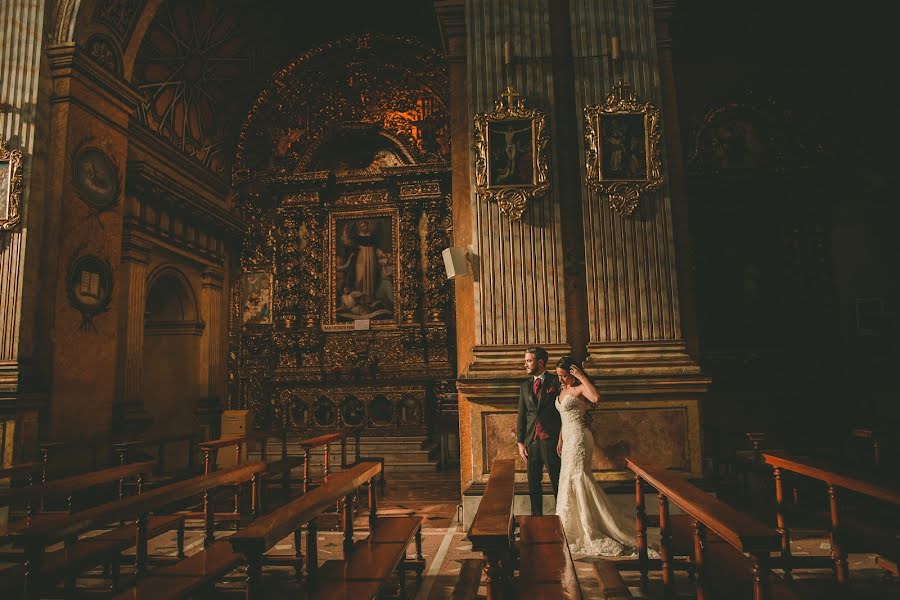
(536, 387)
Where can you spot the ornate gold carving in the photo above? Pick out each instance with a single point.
(437, 237)
(410, 260)
(502, 173)
(10, 187)
(331, 408)
(418, 190)
(369, 198)
(300, 199)
(623, 193)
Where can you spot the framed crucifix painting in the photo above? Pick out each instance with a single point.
(511, 166)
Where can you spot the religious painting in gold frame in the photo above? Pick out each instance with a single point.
(623, 147)
(10, 187)
(511, 164)
(364, 269)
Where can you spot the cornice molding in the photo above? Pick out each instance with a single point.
(68, 60)
(150, 185)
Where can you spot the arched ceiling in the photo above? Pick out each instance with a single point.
(210, 57)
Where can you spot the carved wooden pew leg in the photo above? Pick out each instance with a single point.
(140, 556)
(497, 576)
(665, 547)
(401, 574)
(419, 556)
(179, 540)
(254, 576)
(838, 554)
(762, 589)
(348, 525)
(209, 520)
(312, 551)
(298, 555)
(373, 505)
(700, 558)
(781, 522)
(306, 470)
(34, 558)
(641, 527)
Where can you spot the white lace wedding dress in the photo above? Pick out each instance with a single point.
(592, 524)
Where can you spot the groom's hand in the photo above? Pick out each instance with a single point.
(522, 451)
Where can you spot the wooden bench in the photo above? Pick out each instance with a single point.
(385, 547)
(491, 532)
(706, 514)
(546, 569)
(612, 586)
(85, 553)
(194, 574)
(67, 487)
(127, 451)
(844, 532)
(326, 441)
(26, 472)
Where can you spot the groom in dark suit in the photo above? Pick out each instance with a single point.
(539, 425)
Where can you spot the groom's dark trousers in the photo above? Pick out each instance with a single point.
(534, 408)
(541, 453)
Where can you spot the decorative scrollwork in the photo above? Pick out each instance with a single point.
(10, 187)
(623, 147)
(511, 161)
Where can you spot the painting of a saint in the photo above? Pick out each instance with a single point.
(510, 152)
(5, 172)
(256, 298)
(623, 146)
(364, 267)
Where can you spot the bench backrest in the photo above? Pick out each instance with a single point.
(66, 486)
(21, 469)
(873, 485)
(46, 533)
(493, 523)
(329, 438)
(741, 531)
(267, 531)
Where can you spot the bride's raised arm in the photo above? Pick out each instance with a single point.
(586, 388)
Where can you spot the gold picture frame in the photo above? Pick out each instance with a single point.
(10, 187)
(623, 146)
(511, 163)
(358, 288)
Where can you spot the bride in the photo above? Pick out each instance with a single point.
(592, 524)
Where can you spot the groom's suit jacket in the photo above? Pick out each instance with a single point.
(544, 407)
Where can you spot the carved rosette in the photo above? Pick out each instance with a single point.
(623, 194)
(440, 224)
(410, 264)
(512, 199)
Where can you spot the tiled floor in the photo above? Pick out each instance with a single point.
(453, 570)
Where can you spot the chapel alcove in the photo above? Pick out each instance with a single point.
(172, 335)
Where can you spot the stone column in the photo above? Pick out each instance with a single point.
(130, 413)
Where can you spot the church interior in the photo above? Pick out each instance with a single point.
(272, 273)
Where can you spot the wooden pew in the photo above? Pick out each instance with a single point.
(705, 514)
(366, 563)
(546, 569)
(43, 568)
(858, 533)
(491, 532)
(327, 440)
(69, 488)
(23, 471)
(127, 450)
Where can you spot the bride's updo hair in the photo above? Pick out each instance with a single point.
(567, 362)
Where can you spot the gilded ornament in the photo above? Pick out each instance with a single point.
(511, 159)
(623, 146)
(10, 187)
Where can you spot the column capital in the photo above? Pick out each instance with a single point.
(136, 250)
(213, 278)
(451, 16)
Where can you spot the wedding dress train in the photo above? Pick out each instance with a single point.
(592, 523)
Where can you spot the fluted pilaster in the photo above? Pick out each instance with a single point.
(213, 341)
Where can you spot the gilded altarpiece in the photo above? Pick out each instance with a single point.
(345, 187)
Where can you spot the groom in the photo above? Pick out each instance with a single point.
(539, 425)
